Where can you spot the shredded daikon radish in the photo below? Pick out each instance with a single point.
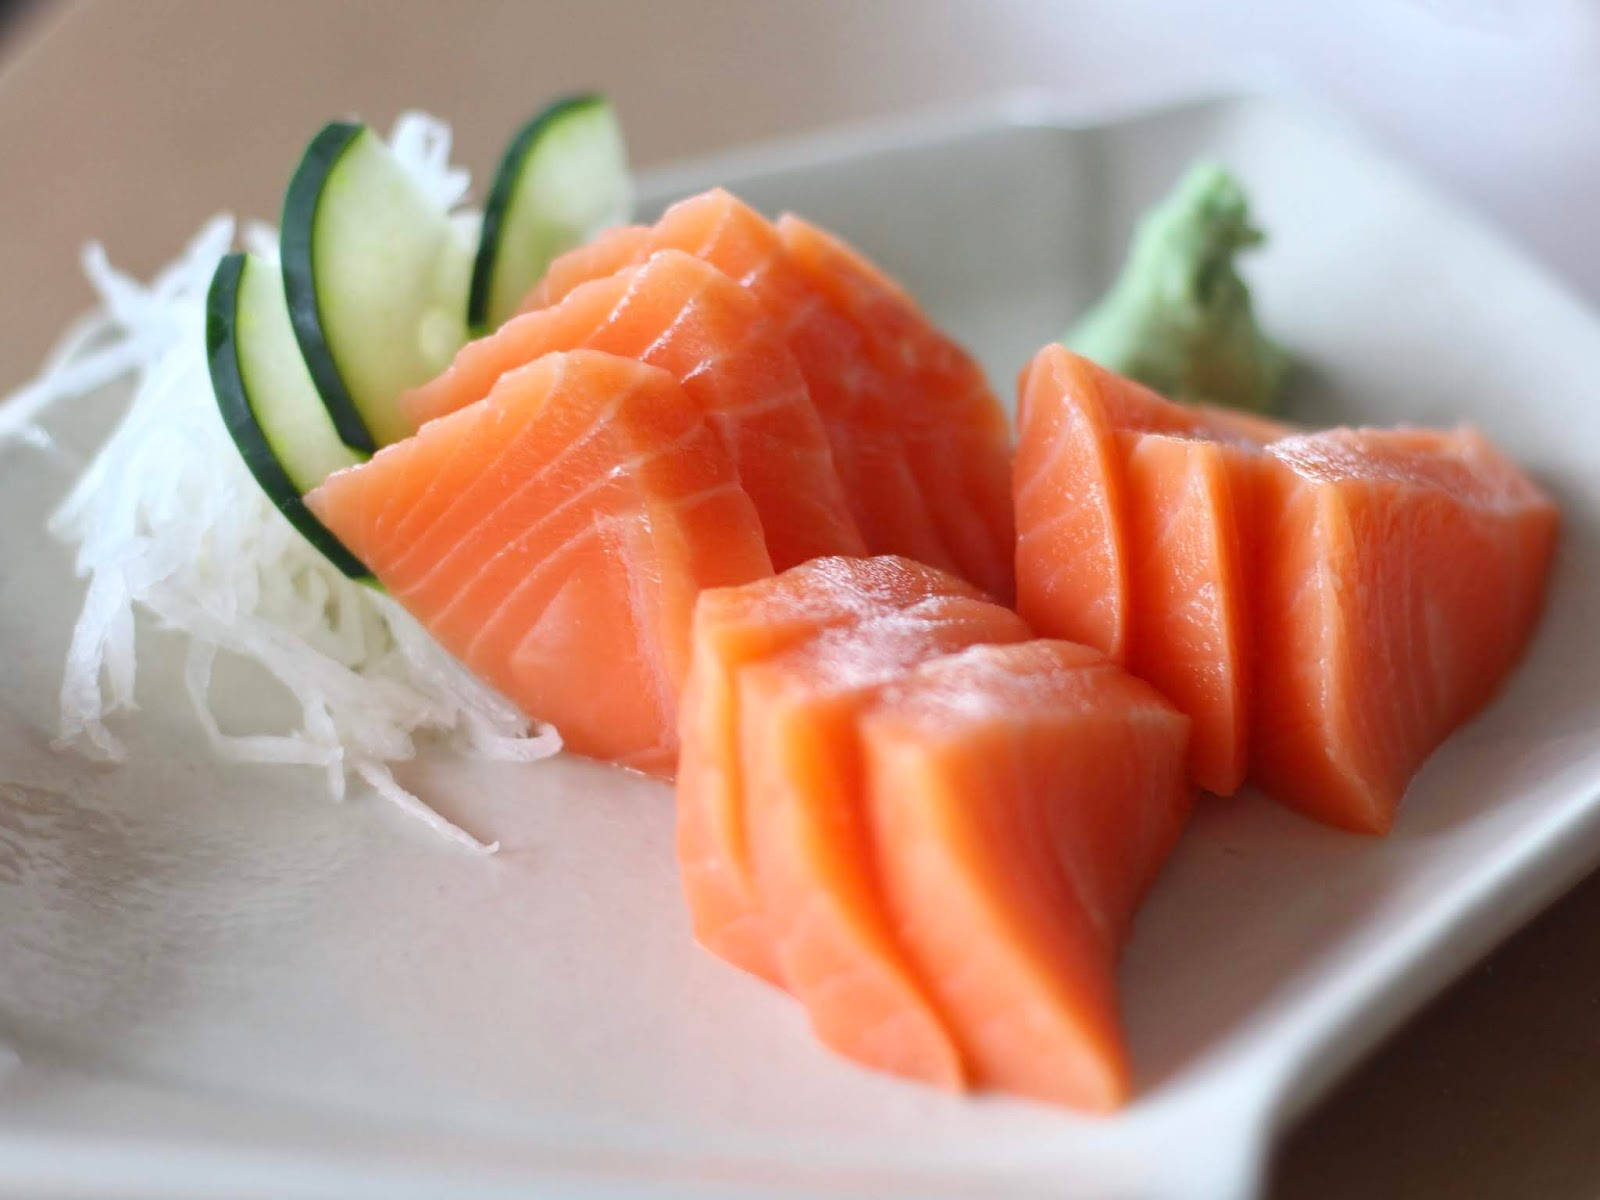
(166, 518)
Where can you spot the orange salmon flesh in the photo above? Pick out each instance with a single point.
(880, 766)
(1327, 607)
(554, 536)
(921, 445)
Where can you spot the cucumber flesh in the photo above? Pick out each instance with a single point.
(376, 276)
(267, 398)
(563, 178)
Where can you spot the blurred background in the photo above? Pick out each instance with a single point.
(198, 105)
(131, 120)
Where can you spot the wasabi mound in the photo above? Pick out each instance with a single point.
(1179, 318)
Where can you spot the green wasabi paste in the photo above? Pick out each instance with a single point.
(1179, 318)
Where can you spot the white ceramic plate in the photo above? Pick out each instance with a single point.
(215, 981)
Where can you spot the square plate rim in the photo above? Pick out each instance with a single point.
(1416, 964)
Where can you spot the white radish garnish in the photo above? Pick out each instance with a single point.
(166, 518)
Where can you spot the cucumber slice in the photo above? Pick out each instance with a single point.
(563, 178)
(267, 398)
(376, 278)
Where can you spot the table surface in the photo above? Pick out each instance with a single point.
(130, 122)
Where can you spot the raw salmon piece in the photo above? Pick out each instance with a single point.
(1021, 800)
(684, 316)
(904, 489)
(1131, 510)
(606, 254)
(1403, 571)
(1072, 556)
(1357, 593)
(553, 536)
(734, 627)
(853, 398)
(1190, 476)
(903, 504)
(1189, 502)
(956, 433)
(810, 849)
(1247, 427)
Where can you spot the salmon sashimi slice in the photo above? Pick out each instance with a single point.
(1326, 607)
(1131, 511)
(734, 627)
(1072, 555)
(680, 314)
(857, 401)
(811, 855)
(956, 432)
(554, 535)
(852, 397)
(1403, 572)
(607, 253)
(1189, 502)
(905, 490)
(1246, 427)
(1022, 798)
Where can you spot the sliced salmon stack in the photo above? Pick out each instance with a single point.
(1305, 598)
(811, 856)
(788, 843)
(678, 313)
(1132, 514)
(733, 628)
(1022, 799)
(851, 395)
(554, 535)
(1403, 572)
(920, 443)
(941, 391)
